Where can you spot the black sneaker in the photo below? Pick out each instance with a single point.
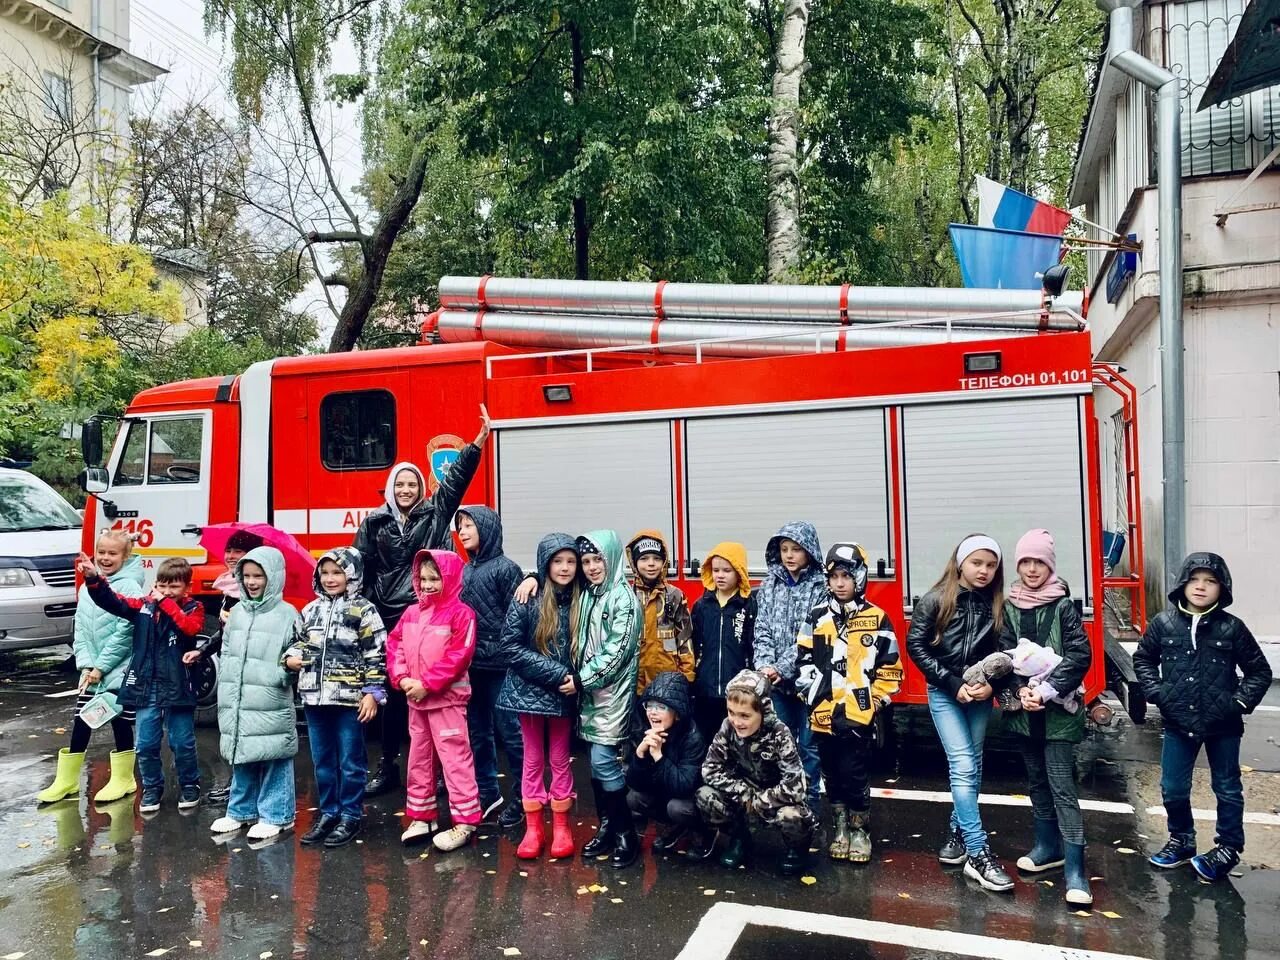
(669, 840)
(986, 869)
(953, 851)
(703, 845)
(1173, 854)
(1217, 864)
(190, 797)
(150, 801)
(512, 814)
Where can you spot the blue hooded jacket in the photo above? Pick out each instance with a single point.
(782, 603)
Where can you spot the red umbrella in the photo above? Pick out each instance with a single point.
(299, 565)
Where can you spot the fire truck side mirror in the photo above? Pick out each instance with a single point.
(94, 480)
(91, 442)
(695, 567)
(880, 569)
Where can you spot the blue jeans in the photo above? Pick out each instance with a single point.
(795, 715)
(1177, 761)
(179, 725)
(263, 791)
(487, 725)
(962, 727)
(606, 766)
(338, 754)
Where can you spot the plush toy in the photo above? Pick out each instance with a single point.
(1035, 662)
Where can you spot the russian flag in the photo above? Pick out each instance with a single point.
(1003, 259)
(1007, 209)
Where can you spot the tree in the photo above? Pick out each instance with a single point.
(282, 48)
(782, 228)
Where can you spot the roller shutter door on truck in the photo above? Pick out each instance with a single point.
(748, 475)
(999, 467)
(573, 479)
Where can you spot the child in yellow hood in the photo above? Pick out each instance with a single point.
(666, 642)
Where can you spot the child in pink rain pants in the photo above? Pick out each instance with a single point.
(428, 654)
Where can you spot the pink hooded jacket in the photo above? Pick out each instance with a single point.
(436, 638)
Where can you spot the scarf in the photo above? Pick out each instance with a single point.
(1024, 598)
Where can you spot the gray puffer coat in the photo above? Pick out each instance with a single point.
(255, 696)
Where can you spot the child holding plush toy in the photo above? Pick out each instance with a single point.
(1039, 608)
(1031, 664)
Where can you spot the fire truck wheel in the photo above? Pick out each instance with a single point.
(204, 677)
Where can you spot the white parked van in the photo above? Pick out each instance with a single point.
(39, 540)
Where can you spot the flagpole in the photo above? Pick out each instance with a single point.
(1092, 224)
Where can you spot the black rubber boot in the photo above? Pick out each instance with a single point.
(385, 779)
(626, 848)
(604, 839)
(735, 854)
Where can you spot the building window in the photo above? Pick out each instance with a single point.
(57, 96)
(358, 430)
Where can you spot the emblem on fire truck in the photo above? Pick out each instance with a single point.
(441, 452)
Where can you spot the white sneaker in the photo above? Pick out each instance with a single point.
(228, 825)
(418, 830)
(456, 836)
(268, 831)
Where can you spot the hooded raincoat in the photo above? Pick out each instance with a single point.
(255, 697)
(389, 541)
(341, 640)
(436, 638)
(1187, 663)
(679, 771)
(666, 639)
(534, 678)
(608, 642)
(488, 583)
(783, 601)
(723, 633)
(103, 641)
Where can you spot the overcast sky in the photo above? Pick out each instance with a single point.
(171, 33)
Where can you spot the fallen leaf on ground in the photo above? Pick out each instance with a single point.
(164, 909)
(894, 780)
(511, 951)
(422, 943)
(904, 896)
(158, 951)
(485, 854)
(265, 955)
(1125, 850)
(582, 890)
(423, 856)
(709, 893)
(1093, 879)
(548, 914)
(61, 730)
(916, 836)
(1111, 915)
(889, 860)
(491, 872)
(813, 849)
(524, 873)
(15, 956)
(398, 813)
(616, 900)
(236, 849)
(808, 881)
(1082, 913)
(23, 845)
(622, 883)
(1047, 883)
(195, 943)
(603, 856)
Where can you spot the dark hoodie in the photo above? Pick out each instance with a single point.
(388, 542)
(533, 678)
(488, 582)
(1187, 662)
(679, 773)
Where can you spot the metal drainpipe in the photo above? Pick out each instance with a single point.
(1122, 56)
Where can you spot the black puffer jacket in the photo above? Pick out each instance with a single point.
(969, 637)
(679, 772)
(488, 582)
(533, 678)
(388, 548)
(722, 640)
(1187, 664)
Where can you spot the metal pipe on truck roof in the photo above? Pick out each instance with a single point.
(751, 302)
(1122, 56)
(570, 332)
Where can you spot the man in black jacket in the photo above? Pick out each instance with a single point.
(1187, 663)
(388, 540)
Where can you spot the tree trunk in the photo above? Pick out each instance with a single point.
(782, 218)
(581, 222)
(363, 292)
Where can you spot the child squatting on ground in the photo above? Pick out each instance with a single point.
(101, 648)
(340, 657)
(258, 732)
(428, 654)
(1187, 663)
(752, 772)
(848, 669)
(156, 684)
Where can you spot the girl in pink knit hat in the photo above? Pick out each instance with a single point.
(1039, 607)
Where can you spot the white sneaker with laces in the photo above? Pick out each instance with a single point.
(268, 831)
(456, 836)
(418, 830)
(228, 825)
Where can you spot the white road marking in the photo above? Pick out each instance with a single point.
(1266, 708)
(718, 932)
(1267, 819)
(994, 799)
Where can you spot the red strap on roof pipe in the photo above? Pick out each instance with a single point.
(844, 309)
(484, 282)
(479, 324)
(658, 313)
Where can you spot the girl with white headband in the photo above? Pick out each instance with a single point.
(957, 623)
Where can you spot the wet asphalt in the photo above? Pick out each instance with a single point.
(80, 882)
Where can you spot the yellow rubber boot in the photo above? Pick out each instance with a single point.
(66, 782)
(121, 783)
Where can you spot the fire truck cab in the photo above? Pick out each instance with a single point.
(905, 449)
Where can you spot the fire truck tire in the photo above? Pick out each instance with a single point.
(204, 677)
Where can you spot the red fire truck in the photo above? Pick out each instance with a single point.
(903, 419)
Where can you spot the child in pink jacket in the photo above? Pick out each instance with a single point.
(428, 654)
